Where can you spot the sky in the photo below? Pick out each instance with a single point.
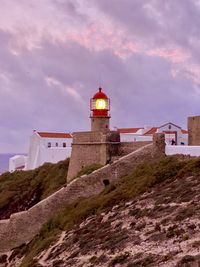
(54, 54)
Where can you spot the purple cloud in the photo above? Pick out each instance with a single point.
(54, 55)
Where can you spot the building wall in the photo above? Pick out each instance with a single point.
(172, 128)
(39, 152)
(184, 139)
(23, 226)
(100, 123)
(34, 152)
(16, 162)
(194, 131)
(128, 147)
(54, 154)
(134, 137)
(59, 141)
(89, 148)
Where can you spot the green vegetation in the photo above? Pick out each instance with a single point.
(39, 183)
(138, 181)
(89, 169)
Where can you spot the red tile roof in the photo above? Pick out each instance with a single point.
(20, 168)
(184, 131)
(128, 130)
(151, 131)
(169, 132)
(54, 135)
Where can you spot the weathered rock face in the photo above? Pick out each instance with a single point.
(159, 228)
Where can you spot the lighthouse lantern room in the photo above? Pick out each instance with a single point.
(100, 107)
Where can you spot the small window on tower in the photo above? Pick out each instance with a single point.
(64, 144)
(56, 144)
(49, 144)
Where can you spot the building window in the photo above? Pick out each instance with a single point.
(56, 144)
(64, 144)
(170, 127)
(49, 144)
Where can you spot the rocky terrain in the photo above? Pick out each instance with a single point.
(159, 227)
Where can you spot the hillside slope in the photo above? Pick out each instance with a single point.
(21, 190)
(149, 218)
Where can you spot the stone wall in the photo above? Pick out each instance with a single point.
(23, 226)
(100, 124)
(128, 147)
(90, 148)
(158, 145)
(194, 131)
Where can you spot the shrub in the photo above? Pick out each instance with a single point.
(89, 169)
(22, 189)
(187, 258)
(185, 213)
(119, 259)
(140, 179)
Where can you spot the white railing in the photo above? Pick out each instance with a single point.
(185, 150)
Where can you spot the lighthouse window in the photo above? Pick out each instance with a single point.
(49, 144)
(64, 144)
(56, 144)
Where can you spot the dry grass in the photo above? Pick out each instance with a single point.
(138, 181)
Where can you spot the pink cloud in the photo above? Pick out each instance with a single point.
(175, 55)
(99, 37)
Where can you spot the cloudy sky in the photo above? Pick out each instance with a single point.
(54, 54)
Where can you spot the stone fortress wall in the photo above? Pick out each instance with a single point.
(97, 147)
(23, 226)
(127, 147)
(194, 131)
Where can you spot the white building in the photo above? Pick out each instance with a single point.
(17, 163)
(171, 131)
(48, 147)
(53, 147)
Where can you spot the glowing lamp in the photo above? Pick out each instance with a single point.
(100, 104)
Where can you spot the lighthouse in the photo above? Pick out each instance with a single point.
(97, 146)
(100, 107)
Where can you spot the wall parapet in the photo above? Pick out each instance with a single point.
(193, 151)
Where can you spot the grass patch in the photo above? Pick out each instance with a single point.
(17, 187)
(186, 212)
(119, 259)
(141, 179)
(138, 181)
(89, 169)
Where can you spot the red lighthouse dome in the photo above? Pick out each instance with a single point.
(100, 104)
